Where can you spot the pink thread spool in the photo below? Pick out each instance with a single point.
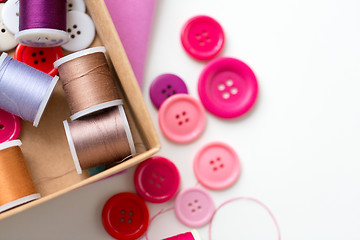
(193, 235)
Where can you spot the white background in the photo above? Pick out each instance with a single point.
(298, 147)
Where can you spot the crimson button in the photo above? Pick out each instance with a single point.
(125, 216)
(40, 58)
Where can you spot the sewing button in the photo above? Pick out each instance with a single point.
(217, 166)
(194, 207)
(40, 58)
(81, 30)
(7, 38)
(125, 216)
(10, 126)
(157, 180)
(165, 86)
(10, 16)
(202, 37)
(182, 118)
(227, 87)
(75, 5)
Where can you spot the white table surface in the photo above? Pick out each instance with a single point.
(299, 147)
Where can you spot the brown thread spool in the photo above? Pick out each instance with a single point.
(16, 184)
(100, 139)
(87, 82)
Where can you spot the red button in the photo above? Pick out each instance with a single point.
(40, 58)
(202, 37)
(9, 126)
(125, 216)
(157, 179)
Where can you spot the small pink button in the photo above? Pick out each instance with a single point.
(227, 87)
(182, 118)
(194, 207)
(157, 179)
(202, 37)
(217, 166)
(10, 126)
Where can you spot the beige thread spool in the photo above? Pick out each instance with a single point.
(87, 82)
(100, 139)
(16, 184)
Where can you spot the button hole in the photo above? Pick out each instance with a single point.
(226, 95)
(215, 169)
(168, 96)
(234, 90)
(162, 178)
(3, 30)
(218, 159)
(131, 213)
(197, 36)
(33, 54)
(43, 60)
(221, 87)
(122, 219)
(173, 92)
(221, 165)
(201, 43)
(151, 181)
(69, 30)
(180, 123)
(169, 86)
(196, 201)
(2, 126)
(187, 120)
(184, 113)
(75, 26)
(163, 91)
(229, 82)
(36, 62)
(72, 36)
(41, 53)
(123, 211)
(190, 204)
(177, 116)
(199, 207)
(155, 174)
(204, 32)
(193, 210)
(208, 39)
(129, 220)
(158, 185)
(78, 32)
(212, 162)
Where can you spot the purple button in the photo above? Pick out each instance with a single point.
(9, 126)
(165, 86)
(157, 179)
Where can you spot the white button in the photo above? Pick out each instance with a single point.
(81, 30)
(10, 16)
(78, 5)
(7, 38)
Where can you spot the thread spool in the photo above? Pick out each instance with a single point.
(193, 235)
(42, 23)
(16, 184)
(87, 82)
(99, 139)
(24, 91)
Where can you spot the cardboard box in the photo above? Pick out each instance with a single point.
(46, 149)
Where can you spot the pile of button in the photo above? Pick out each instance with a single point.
(227, 88)
(80, 28)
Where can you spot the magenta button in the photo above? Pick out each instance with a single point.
(194, 207)
(157, 180)
(217, 166)
(202, 37)
(10, 126)
(227, 87)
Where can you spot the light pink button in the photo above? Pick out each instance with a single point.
(217, 166)
(157, 179)
(182, 118)
(9, 126)
(194, 207)
(227, 87)
(202, 37)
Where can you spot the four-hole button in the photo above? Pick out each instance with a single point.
(157, 179)
(217, 166)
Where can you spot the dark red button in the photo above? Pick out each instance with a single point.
(125, 216)
(9, 126)
(40, 58)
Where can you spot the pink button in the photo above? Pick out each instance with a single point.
(194, 207)
(227, 87)
(157, 179)
(182, 118)
(9, 126)
(202, 37)
(217, 166)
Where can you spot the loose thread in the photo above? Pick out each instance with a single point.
(162, 211)
(42, 179)
(250, 199)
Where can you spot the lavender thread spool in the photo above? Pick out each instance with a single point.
(24, 91)
(193, 235)
(42, 23)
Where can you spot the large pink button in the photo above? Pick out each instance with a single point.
(216, 166)
(227, 87)
(202, 37)
(9, 126)
(182, 118)
(157, 179)
(194, 207)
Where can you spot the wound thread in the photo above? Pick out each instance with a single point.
(16, 184)
(87, 81)
(24, 91)
(99, 139)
